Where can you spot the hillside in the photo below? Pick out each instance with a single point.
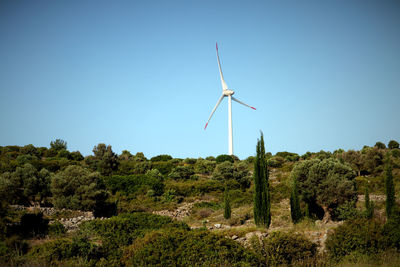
(58, 207)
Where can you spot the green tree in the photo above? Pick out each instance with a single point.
(106, 160)
(223, 158)
(380, 145)
(262, 204)
(393, 144)
(78, 188)
(58, 145)
(389, 190)
(325, 184)
(295, 210)
(369, 205)
(227, 204)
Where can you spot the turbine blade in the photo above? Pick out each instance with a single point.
(224, 85)
(242, 103)
(212, 112)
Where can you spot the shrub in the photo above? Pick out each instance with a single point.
(131, 184)
(57, 229)
(78, 188)
(204, 166)
(182, 173)
(123, 229)
(275, 162)
(223, 158)
(391, 230)
(285, 248)
(187, 248)
(61, 249)
(194, 188)
(164, 167)
(223, 171)
(393, 144)
(161, 158)
(361, 236)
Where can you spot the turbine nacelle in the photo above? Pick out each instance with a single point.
(227, 92)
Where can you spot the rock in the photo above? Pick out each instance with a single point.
(234, 237)
(318, 223)
(217, 226)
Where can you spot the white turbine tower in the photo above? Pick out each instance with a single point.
(226, 93)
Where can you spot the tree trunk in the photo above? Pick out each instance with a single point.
(327, 215)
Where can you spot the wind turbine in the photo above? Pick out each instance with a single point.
(226, 93)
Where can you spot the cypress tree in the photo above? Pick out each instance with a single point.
(262, 204)
(389, 190)
(295, 210)
(227, 205)
(369, 205)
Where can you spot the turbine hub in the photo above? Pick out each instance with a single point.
(227, 92)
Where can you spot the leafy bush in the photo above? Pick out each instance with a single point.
(361, 235)
(204, 166)
(223, 158)
(131, 184)
(194, 188)
(275, 162)
(61, 249)
(164, 167)
(182, 173)
(187, 248)
(286, 248)
(161, 158)
(391, 230)
(78, 188)
(57, 229)
(123, 229)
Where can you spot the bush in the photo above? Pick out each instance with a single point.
(123, 229)
(360, 236)
(182, 173)
(62, 249)
(57, 229)
(286, 248)
(161, 158)
(393, 144)
(391, 230)
(194, 188)
(164, 167)
(132, 184)
(275, 162)
(78, 188)
(187, 248)
(223, 158)
(204, 166)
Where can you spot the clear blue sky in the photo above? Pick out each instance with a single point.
(143, 75)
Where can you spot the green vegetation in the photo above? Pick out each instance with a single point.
(389, 190)
(227, 205)
(60, 190)
(262, 202)
(295, 210)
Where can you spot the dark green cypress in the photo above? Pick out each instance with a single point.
(390, 194)
(369, 205)
(295, 210)
(262, 203)
(227, 205)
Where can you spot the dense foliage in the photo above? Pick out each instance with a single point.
(325, 184)
(187, 248)
(262, 201)
(286, 248)
(107, 184)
